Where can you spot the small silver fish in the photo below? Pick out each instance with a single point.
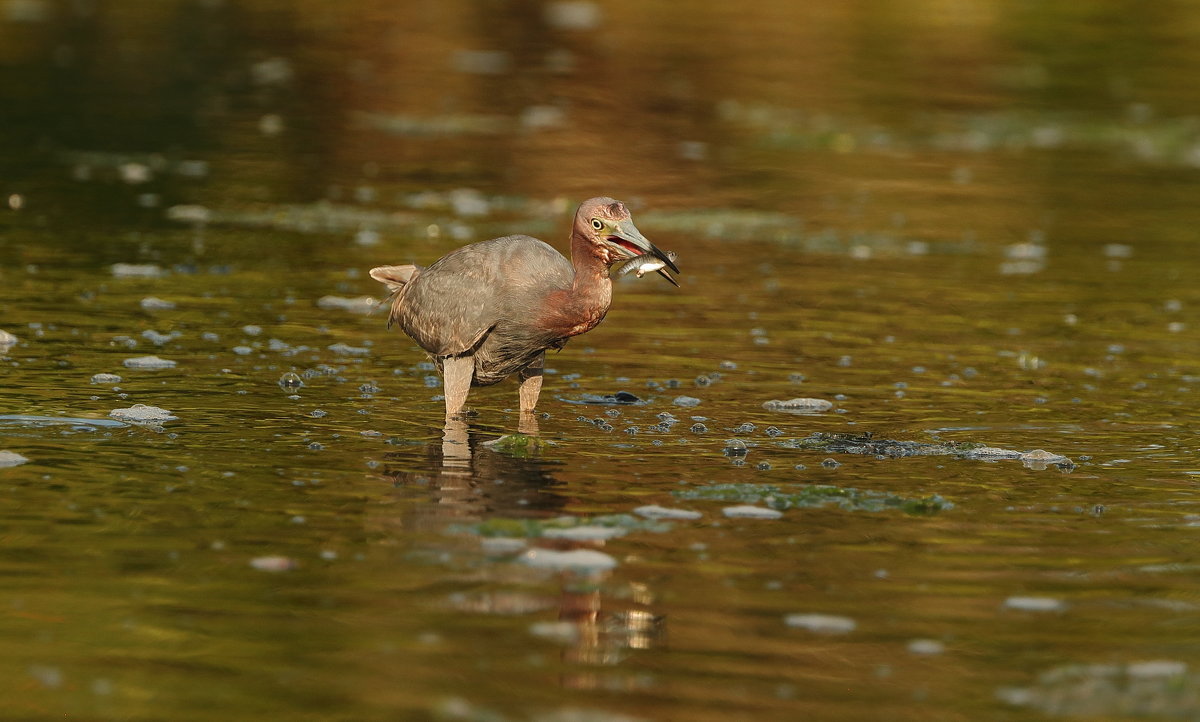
(643, 264)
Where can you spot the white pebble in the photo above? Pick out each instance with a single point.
(106, 379)
(502, 545)
(584, 533)
(798, 405)
(362, 304)
(747, 511)
(151, 303)
(136, 270)
(149, 362)
(823, 623)
(273, 564)
(661, 512)
(347, 350)
(572, 15)
(562, 632)
(11, 458)
(1035, 604)
(926, 646)
(142, 413)
(1156, 668)
(576, 559)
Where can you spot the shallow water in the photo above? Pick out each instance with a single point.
(965, 228)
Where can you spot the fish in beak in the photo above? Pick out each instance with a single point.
(633, 244)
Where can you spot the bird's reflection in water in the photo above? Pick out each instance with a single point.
(462, 480)
(466, 481)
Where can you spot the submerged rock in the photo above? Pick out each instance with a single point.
(106, 379)
(620, 398)
(347, 350)
(576, 559)
(584, 533)
(661, 512)
(153, 303)
(11, 458)
(821, 623)
(149, 362)
(137, 270)
(992, 452)
(1035, 604)
(747, 511)
(1152, 689)
(361, 304)
(7, 339)
(1039, 459)
(798, 406)
(812, 495)
(273, 564)
(515, 444)
(141, 413)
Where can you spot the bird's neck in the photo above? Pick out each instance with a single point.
(583, 306)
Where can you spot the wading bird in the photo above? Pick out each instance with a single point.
(493, 308)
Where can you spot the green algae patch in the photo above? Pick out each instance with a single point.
(519, 445)
(815, 495)
(867, 444)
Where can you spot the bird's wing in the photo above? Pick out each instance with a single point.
(449, 307)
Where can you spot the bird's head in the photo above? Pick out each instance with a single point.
(606, 224)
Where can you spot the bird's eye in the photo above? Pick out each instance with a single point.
(597, 224)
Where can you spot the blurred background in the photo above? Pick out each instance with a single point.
(977, 117)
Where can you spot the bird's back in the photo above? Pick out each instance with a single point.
(450, 306)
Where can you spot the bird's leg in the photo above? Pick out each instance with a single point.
(531, 383)
(456, 376)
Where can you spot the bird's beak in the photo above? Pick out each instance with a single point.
(626, 231)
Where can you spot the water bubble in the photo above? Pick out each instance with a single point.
(291, 380)
(746, 428)
(735, 448)
(699, 429)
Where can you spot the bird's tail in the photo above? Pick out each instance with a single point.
(395, 278)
